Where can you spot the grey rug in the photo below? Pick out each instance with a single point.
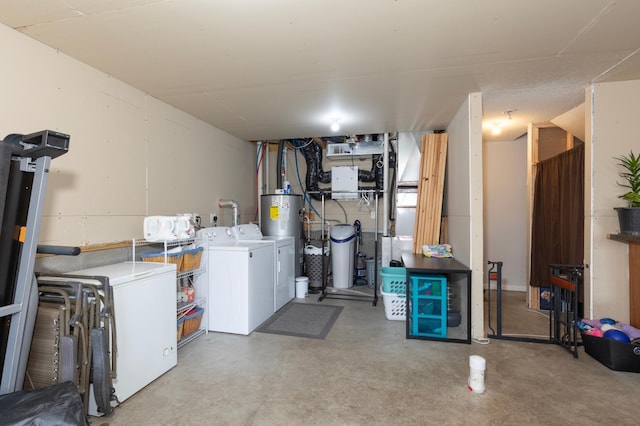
(302, 320)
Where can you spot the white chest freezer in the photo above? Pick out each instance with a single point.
(145, 305)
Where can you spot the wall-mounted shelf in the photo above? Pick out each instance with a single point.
(355, 148)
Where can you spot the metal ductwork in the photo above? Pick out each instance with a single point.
(316, 175)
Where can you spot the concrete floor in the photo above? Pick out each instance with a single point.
(367, 373)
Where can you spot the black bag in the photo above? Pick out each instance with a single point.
(59, 404)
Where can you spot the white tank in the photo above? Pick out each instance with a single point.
(343, 238)
(281, 216)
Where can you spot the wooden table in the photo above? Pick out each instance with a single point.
(634, 275)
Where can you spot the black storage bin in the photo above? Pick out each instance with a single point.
(616, 355)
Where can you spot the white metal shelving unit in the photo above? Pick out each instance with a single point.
(182, 307)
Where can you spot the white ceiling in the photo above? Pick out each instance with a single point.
(276, 69)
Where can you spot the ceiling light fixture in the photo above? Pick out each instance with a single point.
(496, 126)
(509, 112)
(335, 126)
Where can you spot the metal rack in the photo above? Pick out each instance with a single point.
(182, 307)
(336, 294)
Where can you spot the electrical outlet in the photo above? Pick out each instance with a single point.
(373, 214)
(213, 218)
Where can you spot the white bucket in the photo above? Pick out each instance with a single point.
(302, 287)
(476, 376)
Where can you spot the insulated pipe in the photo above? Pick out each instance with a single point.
(315, 173)
(279, 183)
(260, 171)
(385, 185)
(233, 204)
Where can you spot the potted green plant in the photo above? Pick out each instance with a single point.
(629, 216)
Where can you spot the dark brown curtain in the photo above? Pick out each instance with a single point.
(557, 231)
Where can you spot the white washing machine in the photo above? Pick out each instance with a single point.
(240, 283)
(284, 267)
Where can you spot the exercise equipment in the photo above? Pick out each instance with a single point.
(24, 168)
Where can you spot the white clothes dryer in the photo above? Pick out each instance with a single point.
(284, 265)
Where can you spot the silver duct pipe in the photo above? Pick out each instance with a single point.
(233, 204)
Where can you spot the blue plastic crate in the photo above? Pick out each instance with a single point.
(394, 279)
(428, 294)
(430, 327)
(428, 285)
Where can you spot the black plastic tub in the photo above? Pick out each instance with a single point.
(618, 356)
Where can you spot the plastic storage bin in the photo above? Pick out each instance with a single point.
(428, 306)
(618, 356)
(371, 272)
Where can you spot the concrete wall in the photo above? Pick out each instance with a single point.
(130, 155)
(505, 210)
(464, 201)
(612, 130)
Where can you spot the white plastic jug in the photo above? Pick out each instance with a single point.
(184, 228)
(159, 228)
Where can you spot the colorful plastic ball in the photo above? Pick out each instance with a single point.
(607, 321)
(617, 335)
(607, 327)
(595, 332)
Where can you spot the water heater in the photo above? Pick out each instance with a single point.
(281, 216)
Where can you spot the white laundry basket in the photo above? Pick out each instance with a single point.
(393, 288)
